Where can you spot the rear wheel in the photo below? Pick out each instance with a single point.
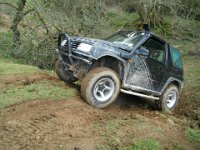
(63, 74)
(100, 87)
(169, 99)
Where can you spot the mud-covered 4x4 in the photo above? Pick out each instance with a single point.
(133, 62)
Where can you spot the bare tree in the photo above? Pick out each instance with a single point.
(17, 19)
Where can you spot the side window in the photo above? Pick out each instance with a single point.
(176, 58)
(156, 50)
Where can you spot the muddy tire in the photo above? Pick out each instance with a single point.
(169, 99)
(100, 87)
(64, 75)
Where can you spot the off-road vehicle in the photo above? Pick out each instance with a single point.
(133, 62)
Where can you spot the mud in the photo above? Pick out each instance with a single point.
(24, 79)
(72, 123)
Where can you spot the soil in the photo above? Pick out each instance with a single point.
(72, 124)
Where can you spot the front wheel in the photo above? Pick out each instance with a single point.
(64, 74)
(100, 87)
(169, 99)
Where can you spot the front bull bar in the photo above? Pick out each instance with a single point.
(64, 36)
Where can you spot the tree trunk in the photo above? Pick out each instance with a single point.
(17, 19)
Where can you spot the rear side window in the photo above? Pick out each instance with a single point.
(176, 58)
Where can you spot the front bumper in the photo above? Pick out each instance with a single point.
(69, 54)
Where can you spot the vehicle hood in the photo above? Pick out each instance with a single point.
(103, 44)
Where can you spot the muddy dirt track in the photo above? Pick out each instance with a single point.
(73, 124)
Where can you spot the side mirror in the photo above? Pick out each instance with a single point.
(142, 52)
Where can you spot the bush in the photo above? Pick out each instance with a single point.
(40, 28)
(6, 43)
(91, 18)
(192, 9)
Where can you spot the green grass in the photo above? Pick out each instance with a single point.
(146, 144)
(10, 66)
(40, 91)
(192, 79)
(177, 147)
(43, 90)
(193, 135)
(7, 68)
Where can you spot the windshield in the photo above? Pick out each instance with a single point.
(128, 38)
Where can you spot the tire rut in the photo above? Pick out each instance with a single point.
(73, 122)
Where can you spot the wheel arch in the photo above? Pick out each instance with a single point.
(174, 81)
(113, 62)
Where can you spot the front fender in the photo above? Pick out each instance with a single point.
(107, 54)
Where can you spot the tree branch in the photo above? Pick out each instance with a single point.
(59, 30)
(28, 11)
(42, 21)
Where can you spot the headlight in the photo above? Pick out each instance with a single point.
(84, 47)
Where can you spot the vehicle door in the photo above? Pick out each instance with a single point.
(147, 71)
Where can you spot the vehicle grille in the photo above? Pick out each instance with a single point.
(74, 45)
